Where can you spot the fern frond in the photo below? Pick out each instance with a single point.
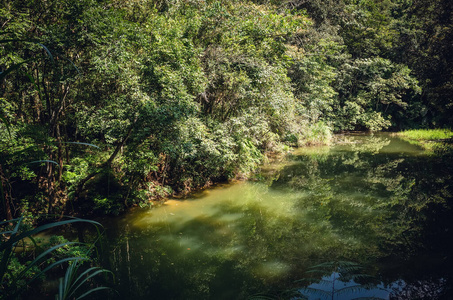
(316, 292)
(350, 289)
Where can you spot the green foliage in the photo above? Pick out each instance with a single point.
(74, 281)
(437, 141)
(369, 29)
(318, 133)
(427, 134)
(179, 94)
(312, 77)
(405, 33)
(371, 91)
(18, 270)
(68, 250)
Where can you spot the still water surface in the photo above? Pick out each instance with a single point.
(367, 212)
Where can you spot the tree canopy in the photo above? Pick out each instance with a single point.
(107, 104)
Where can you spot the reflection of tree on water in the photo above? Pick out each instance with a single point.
(422, 290)
(394, 208)
(386, 211)
(341, 278)
(361, 143)
(371, 145)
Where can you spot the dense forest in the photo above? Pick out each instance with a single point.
(109, 104)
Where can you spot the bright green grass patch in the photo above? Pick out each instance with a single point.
(432, 140)
(427, 134)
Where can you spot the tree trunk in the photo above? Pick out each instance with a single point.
(6, 198)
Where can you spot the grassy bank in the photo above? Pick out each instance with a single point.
(432, 140)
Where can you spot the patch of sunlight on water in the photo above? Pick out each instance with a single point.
(185, 243)
(225, 205)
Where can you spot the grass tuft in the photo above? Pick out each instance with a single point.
(433, 140)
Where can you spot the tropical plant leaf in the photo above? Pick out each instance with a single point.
(70, 284)
(341, 271)
(16, 228)
(53, 265)
(17, 238)
(94, 290)
(10, 69)
(10, 222)
(82, 280)
(75, 67)
(308, 279)
(348, 276)
(47, 50)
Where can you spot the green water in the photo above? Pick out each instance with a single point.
(375, 201)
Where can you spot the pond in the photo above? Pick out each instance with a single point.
(369, 216)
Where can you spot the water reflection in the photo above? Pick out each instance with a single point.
(373, 200)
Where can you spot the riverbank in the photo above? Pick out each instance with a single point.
(435, 141)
